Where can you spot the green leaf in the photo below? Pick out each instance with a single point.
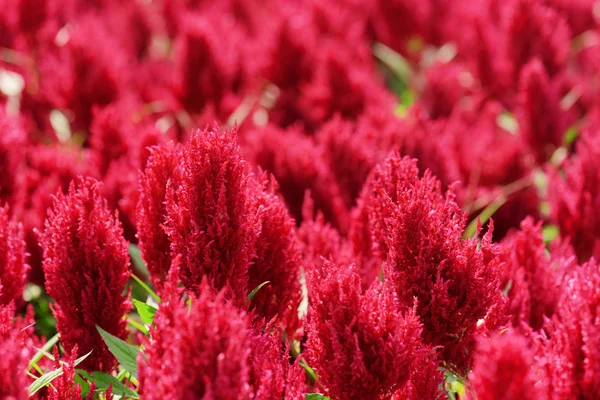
(136, 257)
(570, 135)
(48, 377)
(125, 353)
(40, 353)
(550, 232)
(484, 216)
(146, 288)
(315, 396)
(256, 289)
(146, 311)
(104, 380)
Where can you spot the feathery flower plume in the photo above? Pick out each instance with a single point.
(13, 266)
(505, 367)
(277, 259)
(542, 122)
(417, 232)
(86, 264)
(298, 165)
(575, 197)
(151, 211)
(533, 276)
(211, 220)
(573, 346)
(359, 344)
(14, 357)
(198, 351)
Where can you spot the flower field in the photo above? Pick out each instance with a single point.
(299, 199)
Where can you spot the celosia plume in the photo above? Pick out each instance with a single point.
(505, 367)
(151, 211)
(86, 264)
(13, 266)
(209, 359)
(211, 220)
(417, 232)
(14, 357)
(359, 344)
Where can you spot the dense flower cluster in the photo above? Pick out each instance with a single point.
(390, 199)
(83, 240)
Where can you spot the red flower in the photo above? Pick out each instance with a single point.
(14, 357)
(13, 267)
(417, 232)
(542, 122)
(151, 211)
(533, 278)
(298, 165)
(505, 368)
(573, 347)
(278, 259)
(211, 220)
(197, 352)
(86, 263)
(359, 344)
(575, 198)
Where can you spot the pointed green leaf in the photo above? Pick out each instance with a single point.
(146, 311)
(125, 353)
(104, 380)
(48, 377)
(253, 293)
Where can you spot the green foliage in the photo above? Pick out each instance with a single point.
(256, 289)
(48, 377)
(125, 353)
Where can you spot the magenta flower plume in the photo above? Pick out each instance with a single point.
(197, 352)
(278, 260)
(64, 387)
(505, 367)
(14, 357)
(13, 266)
(573, 347)
(359, 344)
(211, 220)
(533, 278)
(272, 376)
(86, 264)
(417, 232)
(575, 197)
(542, 122)
(151, 211)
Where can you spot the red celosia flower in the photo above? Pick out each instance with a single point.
(277, 260)
(298, 165)
(50, 170)
(341, 85)
(417, 232)
(86, 263)
(151, 211)
(505, 368)
(206, 68)
(446, 85)
(13, 267)
(359, 344)
(573, 347)
(211, 220)
(533, 278)
(64, 387)
(12, 151)
(80, 74)
(197, 352)
(14, 357)
(320, 241)
(575, 198)
(542, 122)
(271, 374)
(535, 30)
